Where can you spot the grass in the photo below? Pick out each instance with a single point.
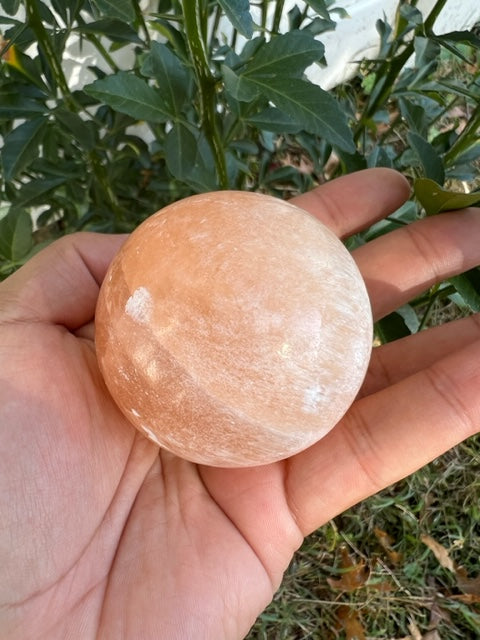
(391, 585)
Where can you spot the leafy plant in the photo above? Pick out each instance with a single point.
(214, 96)
(212, 111)
(421, 118)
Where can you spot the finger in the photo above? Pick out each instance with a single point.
(400, 265)
(60, 284)
(355, 201)
(397, 360)
(385, 437)
(86, 331)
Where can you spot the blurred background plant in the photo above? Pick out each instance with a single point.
(175, 97)
(77, 156)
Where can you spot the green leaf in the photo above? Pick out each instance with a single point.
(391, 327)
(381, 156)
(471, 92)
(320, 7)
(31, 69)
(419, 116)
(131, 95)
(283, 175)
(431, 162)
(67, 9)
(468, 286)
(189, 158)
(238, 86)
(181, 151)
(20, 147)
(410, 317)
(247, 54)
(32, 192)
(318, 26)
(171, 75)
(455, 51)
(16, 235)
(272, 119)
(172, 35)
(314, 109)
(464, 37)
(10, 6)
(81, 130)
(238, 12)
(121, 9)
(286, 55)
(427, 51)
(15, 105)
(435, 200)
(113, 28)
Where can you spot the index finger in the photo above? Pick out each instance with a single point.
(355, 201)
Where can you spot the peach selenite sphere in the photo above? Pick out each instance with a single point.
(233, 329)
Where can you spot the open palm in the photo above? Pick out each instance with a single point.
(103, 535)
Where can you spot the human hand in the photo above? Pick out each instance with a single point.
(103, 535)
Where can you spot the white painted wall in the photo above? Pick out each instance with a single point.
(354, 39)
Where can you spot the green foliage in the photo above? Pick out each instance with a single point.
(15, 235)
(435, 200)
(195, 110)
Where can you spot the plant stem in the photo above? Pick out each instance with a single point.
(100, 174)
(388, 72)
(433, 15)
(391, 68)
(45, 43)
(427, 313)
(140, 17)
(263, 23)
(216, 22)
(195, 37)
(98, 46)
(277, 16)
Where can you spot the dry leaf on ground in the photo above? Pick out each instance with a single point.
(351, 623)
(386, 542)
(470, 587)
(440, 552)
(416, 634)
(355, 574)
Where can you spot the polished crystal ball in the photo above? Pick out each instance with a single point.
(233, 329)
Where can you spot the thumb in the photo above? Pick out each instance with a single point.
(60, 284)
